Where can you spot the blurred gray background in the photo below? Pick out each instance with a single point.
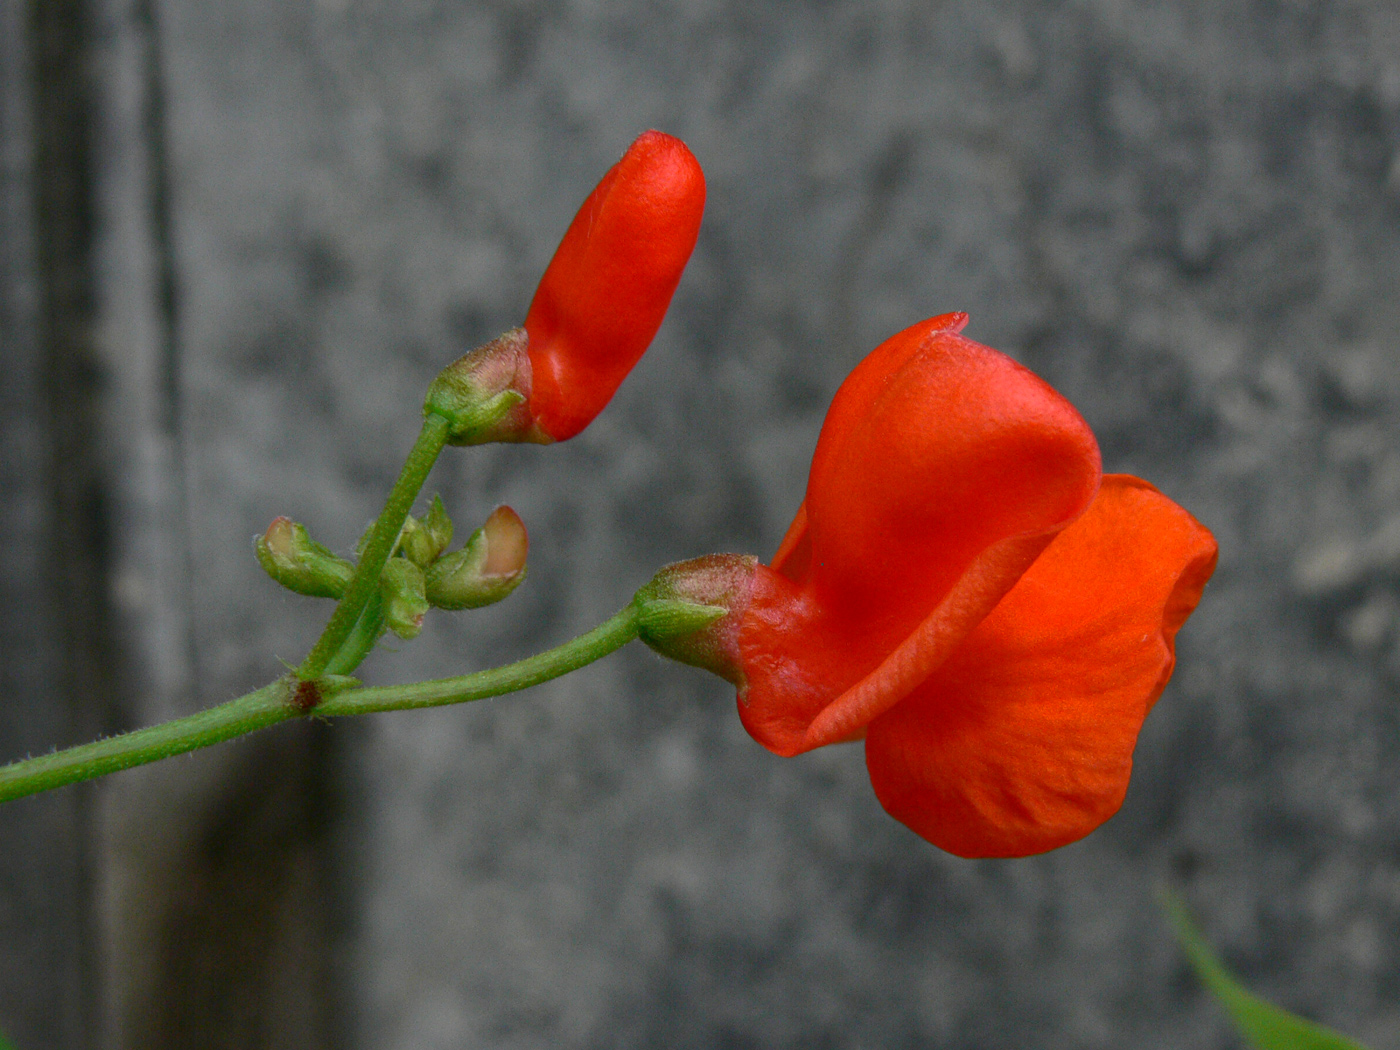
(240, 238)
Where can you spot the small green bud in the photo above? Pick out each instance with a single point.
(401, 585)
(485, 394)
(290, 556)
(423, 541)
(488, 568)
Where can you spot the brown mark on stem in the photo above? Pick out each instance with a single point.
(305, 696)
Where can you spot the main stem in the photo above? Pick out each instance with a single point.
(379, 546)
(277, 703)
(263, 707)
(360, 641)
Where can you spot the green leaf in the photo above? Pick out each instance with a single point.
(1264, 1025)
(5, 1044)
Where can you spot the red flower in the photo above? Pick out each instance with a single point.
(605, 292)
(961, 590)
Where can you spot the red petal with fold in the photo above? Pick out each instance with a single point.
(942, 470)
(1023, 740)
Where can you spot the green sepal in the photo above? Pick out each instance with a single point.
(691, 611)
(438, 525)
(476, 423)
(483, 394)
(659, 619)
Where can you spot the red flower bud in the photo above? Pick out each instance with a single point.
(607, 288)
(596, 309)
(960, 590)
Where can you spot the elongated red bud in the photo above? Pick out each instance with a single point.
(605, 292)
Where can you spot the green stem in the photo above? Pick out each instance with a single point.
(379, 546)
(357, 646)
(607, 637)
(275, 703)
(263, 707)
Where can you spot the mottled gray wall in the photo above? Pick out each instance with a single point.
(1185, 215)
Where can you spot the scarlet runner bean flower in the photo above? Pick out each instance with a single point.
(595, 311)
(963, 589)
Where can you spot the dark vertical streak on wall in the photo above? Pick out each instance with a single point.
(162, 211)
(44, 920)
(63, 235)
(56, 568)
(245, 959)
(62, 109)
(162, 208)
(221, 901)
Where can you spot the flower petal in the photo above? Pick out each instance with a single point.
(1022, 741)
(606, 290)
(942, 470)
(935, 448)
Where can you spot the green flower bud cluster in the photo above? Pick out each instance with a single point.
(418, 576)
